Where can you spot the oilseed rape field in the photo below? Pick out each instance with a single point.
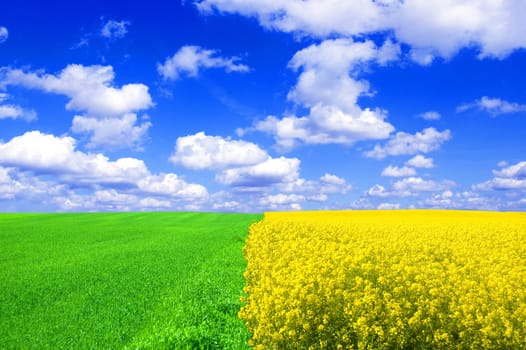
(414, 279)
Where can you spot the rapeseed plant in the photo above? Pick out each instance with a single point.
(386, 280)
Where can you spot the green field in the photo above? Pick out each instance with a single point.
(122, 280)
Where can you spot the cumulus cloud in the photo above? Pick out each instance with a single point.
(227, 206)
(171, 185)
(388, 206)
(189, 60)
(394, 171)
(4, 34)
(153, 203)
(419, 161)
(9, 187)
(329, 86)
(511, 177)
(441, 200)
(201, 151)
(474, 200)
(270, 172)
(14, 184)
(288, 201)
(401, 143)
(444, 26)
(410, 186)
(513, 171)
(90, 89)
(318, 18)
(249, 169)
(116, 132)
(13, 111)
(430, 115)
(113, 200)
(378, 191)
(114, 29)
(493, 106)
(48, 155)
(317, 189)
(326, 125)
(16, 112)
(333, 180)
(330, 71)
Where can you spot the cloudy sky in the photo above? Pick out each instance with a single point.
(252, 105)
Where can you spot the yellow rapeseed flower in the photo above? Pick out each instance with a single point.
(386, 280)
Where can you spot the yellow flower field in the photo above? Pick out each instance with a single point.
(414, 279)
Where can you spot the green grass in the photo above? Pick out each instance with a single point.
(122, 280)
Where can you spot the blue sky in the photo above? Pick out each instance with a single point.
(252, 105)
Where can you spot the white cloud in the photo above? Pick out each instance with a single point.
(430, 115)
(277, 200)
(270, 172)
(325, 72)
(109, 30)
(154, 203)
(378, 191)
(474, 201)
(109, 109)
(4, 34)
(317, 190)
(513, 171)
(14, 184)
(512, 177)
(11, 111)
(494, 106)
(190, 59)
(100, 200)
(394, 171)
(329, 86)
(444, 26)
(116, 132)
(49, 154)
(410, 186)
(227, 205)
(362, 203)
(9, 187)
(49, 167)
(388, 206)
(325, 125)
(401, 143)
(90, 89)
(319, 18)
(171, 185)
(419, 161)
(115, 198)
(115, 29)
(330, 179)
(441, 200)
(249, 169)
(201, 151)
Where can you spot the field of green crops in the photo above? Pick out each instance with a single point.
(122, 280)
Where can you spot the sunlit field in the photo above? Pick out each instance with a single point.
(387, 280)
(122, 281)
